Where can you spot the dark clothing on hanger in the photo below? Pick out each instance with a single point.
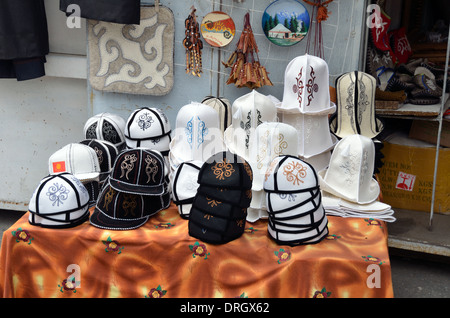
(23, 39)
(116, 11)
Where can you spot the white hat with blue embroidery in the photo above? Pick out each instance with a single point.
(197, 135)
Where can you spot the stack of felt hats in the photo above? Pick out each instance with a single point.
(136, 189)
(270, 140)
(148, 128)
(306, 105)
(248, 113)
(294, 203)
(219, 210)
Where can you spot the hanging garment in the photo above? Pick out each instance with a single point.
(117, 11)
(23, 39)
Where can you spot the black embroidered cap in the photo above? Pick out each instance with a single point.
(240, 198)
(227, 170)
(139, 171)
(106, 152)
(213, 229)
(117, 210)
(218, 208)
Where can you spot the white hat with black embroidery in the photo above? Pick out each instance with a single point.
(148, 128)
(106, 126)
(248, 112)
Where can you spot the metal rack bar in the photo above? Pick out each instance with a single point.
(438, 142)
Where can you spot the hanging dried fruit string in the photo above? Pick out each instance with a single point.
(193, 45)
(320, 10)
(246, 70)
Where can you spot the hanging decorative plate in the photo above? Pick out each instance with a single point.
(218, 29)
(285, 22)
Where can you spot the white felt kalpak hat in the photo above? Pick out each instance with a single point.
(249, 111)
(59, 201)
(314, 133)
(306, 87)
(106, 126)
(77, 159)
(223, 108)
(355, 113)
(197, 135)
(270, 140)
(148, 128)
(350, 173)
(184, 185)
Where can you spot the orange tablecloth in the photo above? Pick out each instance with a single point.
(160, 259)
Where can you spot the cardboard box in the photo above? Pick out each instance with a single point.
(406, 179)
(428, 131)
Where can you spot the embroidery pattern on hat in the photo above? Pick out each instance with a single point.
(213, 203)
(202, 132)
(145, 121)
(248, 169)
(91, 131)
(298, 88)
(189, 131)
(312, 87)
(363, 100)
(109, 196)
(57, 194)
(281, 145)
(129, 204)
(294, 172)
(109, 133)
(151, 169)
(127, 165)
(223, 170)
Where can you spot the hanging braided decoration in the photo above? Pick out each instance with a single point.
(246, 70)
(193, 45)
(320, 10)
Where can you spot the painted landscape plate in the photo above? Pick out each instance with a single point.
(218, 29)
(285, 22)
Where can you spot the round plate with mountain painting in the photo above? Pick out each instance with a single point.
(285, 22)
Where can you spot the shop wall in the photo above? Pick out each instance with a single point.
(41, 116)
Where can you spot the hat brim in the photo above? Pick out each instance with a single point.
(133, 189)
(295, 110)
(103, 221)
(93, 176)
(372, 196)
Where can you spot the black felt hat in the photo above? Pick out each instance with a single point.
(125, 211)
(139, 171)
(226, 170)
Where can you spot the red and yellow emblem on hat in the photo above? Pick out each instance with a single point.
(59, 166)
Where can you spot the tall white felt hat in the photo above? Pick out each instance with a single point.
(223, 107)
(355, 113)
(350, 172)
(77, 159)
(248, 111)
(314, 133)
(197, 135)
(270, 140)
(306, 87)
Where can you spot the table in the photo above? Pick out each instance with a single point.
(160, 259)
